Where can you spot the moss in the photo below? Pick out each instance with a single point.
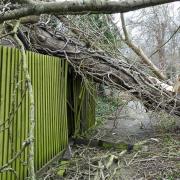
(118, 146)
(63, 167)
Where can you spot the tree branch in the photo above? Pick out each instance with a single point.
(105, 69)
(139, 52)
(165, 42)
(25, 144)
(80, 7)
(26, 1)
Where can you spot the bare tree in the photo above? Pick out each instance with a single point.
(158, 29)
(138, 51)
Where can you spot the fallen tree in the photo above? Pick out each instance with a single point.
(101, 67)
(89, 63)
(96, 64)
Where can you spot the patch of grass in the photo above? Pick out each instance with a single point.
(167, 123)
(173, 176)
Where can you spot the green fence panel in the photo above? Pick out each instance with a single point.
(81, 105)
(58, 96)
(49, 80)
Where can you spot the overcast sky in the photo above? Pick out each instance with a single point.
(176, 6)
(132, 14)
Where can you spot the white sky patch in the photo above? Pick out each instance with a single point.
(176, 6)
(175, 11)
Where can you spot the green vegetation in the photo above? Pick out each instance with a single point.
(105, 106)
(167, 122)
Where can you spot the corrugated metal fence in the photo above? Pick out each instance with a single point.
(49, 79)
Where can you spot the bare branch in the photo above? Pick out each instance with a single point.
(165, 42)
(139, 52)
(124, 28)
(25, 144)
(80, 7)
(28, 2)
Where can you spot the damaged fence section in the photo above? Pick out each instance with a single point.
(54, 94)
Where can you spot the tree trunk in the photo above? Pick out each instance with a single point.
(103, 68)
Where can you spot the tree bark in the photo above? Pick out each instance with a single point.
(78, 7)
(103, 68)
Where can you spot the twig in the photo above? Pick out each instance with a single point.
(25, 144)
(11, 170)
(13, 112)
(4, 35)
(132, 159)
(111, 159)
(165, 42)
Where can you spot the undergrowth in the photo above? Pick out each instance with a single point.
(105, 106)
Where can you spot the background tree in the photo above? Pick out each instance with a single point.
(153, 27)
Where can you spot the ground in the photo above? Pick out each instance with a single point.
(158, 159)
(136, 145)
